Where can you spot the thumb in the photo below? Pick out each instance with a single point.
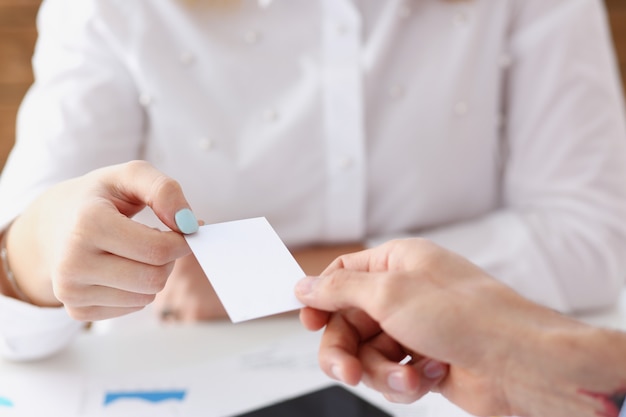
(338, 290)
(137, 184)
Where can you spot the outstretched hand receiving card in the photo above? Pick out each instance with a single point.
(250, 268)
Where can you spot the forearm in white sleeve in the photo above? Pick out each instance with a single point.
(29, 332)
(79, 82)
(565, 176)
(560, 260)
(559, 236)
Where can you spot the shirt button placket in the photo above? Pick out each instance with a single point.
(343, 121)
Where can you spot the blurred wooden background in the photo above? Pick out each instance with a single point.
(617, 15)
(17, 37)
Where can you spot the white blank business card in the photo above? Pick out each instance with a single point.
(249, 266)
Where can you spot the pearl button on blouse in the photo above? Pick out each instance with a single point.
(186, 58)
(205, 144)
(461, 108)
(272, 115)
(253, 37)
(145, 99)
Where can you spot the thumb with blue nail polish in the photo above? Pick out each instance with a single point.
(141, 184)
(89, 227)
(186, 221)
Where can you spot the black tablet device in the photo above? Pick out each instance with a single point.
(332, 401)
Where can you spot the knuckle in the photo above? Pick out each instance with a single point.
(81, 313)
(143, 300)
(160, 183)
(154, 280)
(82, 227)
(136, 166)
(387, 291)
(65, 285)
(414, 254)
(159, 252)
(164, 186)
(332, 283)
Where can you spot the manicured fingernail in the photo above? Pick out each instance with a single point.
(305, 285)
(396, 382)
(335, 370)
(434, 370)
(186, 221)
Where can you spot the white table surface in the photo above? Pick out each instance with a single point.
(137, 353)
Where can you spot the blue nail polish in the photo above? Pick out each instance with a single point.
(186, 221)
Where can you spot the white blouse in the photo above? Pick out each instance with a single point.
(494, 127)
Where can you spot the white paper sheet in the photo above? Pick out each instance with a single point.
(53, 394)
(251, 269)
(218, 387)
(240, 383)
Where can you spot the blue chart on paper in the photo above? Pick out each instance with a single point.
(5, 402)
(149, 396)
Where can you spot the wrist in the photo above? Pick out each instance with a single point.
(568, 369)
(8, 283)
(601, 372)
(29, 281)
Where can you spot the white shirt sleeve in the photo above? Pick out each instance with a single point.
(560, 236)
(75, 69)
(28, 332)
(79, 83)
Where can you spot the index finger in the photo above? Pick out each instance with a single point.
(343, 289)
(136, 184)
(130, 239)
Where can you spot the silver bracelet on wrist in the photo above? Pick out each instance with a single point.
(7, 270)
